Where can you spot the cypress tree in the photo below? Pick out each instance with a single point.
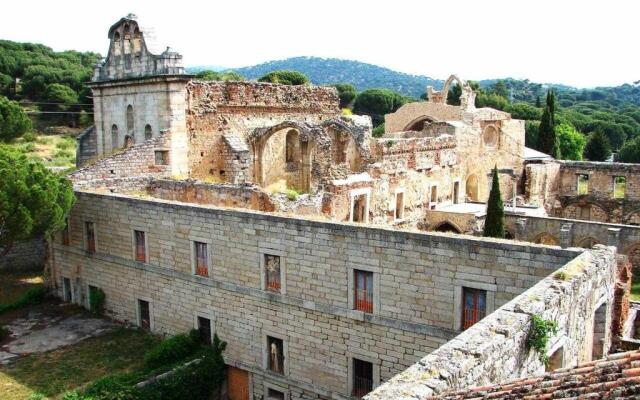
(598, 147)
(494, 222)
(547, 138)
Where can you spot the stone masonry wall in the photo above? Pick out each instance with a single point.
(418, 279)
(494, 350)
(25, 255)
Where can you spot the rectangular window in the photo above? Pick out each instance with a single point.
(144, 314)
(272, 271)
(359, 211)
(90, 237)
(273, 394)
(474, 306)
(362, 378)
(399, 214)
(363, 291)
(619, 187)
(65, 233)
(275, 350)
(66, 290)
(583, 184)
(141, 245)
(433, 199)
(456, 192)
(204, 330)
(162, 157)
(202, 259)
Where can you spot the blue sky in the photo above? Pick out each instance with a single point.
(581, 43)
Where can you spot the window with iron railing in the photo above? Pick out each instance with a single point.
(141, 246)
(275, 349)
(90, 237)
(363, 291)
(201, 259)
(362, 378)
(474, 306)
(272, 272)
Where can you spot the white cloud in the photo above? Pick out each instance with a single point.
(581, 43)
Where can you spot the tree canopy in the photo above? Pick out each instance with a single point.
(598, 147)
(570, 141)
(376, 103)
(547, 138)
(33, 199)
(346, 92)
(630, 151)
(494, 221)
(13, 120)
(285, 77)
(209, 75)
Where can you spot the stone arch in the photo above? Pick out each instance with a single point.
(546, 238)
(114, 136)
(632, 218)
(587, 242)
(447, 226)
(137, 41)
(449, 81)
(269, 155)
(418, 123)
(117, 44)
(471, 188)
(586, 211)
(148, 132)
(348, 147)
(491, 137)
(130, 120)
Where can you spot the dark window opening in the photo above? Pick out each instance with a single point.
(359, 208)
(204, 330)
(272, 272)
(66, 288)
(65, 233)
(474, 306)
(162, 157)
(363, 291)
(90, 237)
(273, 394)
(362, 378)
(145, 314)
(275, 347)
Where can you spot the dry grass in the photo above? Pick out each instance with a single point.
(56, 372)
(52, 150)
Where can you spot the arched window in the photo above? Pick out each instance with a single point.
(117, 45)
(490, 136)
(148, 132)
(130, 119)
(114, 136)
(137, 41)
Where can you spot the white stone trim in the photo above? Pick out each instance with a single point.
(146, 243)
(269, 385)
(151, 312)
(359, 192)
(375, 372)
(491, 290)
(265, 351)
(263, 269)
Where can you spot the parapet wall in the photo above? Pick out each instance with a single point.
(494, 350)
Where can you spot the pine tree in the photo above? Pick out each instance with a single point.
(598, 147)
(494, 222)
(547, 138)
(538, 103)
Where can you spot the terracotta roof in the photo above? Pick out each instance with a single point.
(615, 377)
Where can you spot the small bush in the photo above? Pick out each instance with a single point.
(29, 147)
(561, 276)
(173, 349)
(96, 302)
(292, 194)
(347, 111)
(4, 333)
(29, 137)
(539, 334)
(378, 131)
(36, 396)
(30, 297)
(65, 144)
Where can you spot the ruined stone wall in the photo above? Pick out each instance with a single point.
(599, 204)
(402, 119)
(216, 109)
(541, 184)
(86, 146)
(136, 162)
(23, 256)
(417, 278)
(494, 350)
(221, 195)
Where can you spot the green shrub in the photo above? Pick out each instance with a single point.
(29, 137)
(292, 194)
(378, 131)
(538, 336)
(30, 297)
(29, 147)
(285, 77)
(173, 349)
(65, 144)
(96, 301)
(36, 396)
(4, 333)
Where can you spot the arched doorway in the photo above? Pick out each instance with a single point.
(471, 188)
(547, 238)
(447, 226)
(419, 123)
(587, 242)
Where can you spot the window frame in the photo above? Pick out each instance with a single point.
(586, 190)
(266, 353)
(375, 371)
(64, 294)
(399, 191)
(433, 203)
(139, 312)
(86, 238)
(165, 157)
(194, 261)
(270, 386)
(263, 270)
(135, 246)
(475, 292)
(624, 193)
(351, 286)
(352, 197)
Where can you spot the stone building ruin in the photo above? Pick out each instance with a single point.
(315, 250)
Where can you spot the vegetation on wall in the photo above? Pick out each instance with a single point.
(34, 200)
(285, 77)
(208, 75)
(538, 337)
(494, 221)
